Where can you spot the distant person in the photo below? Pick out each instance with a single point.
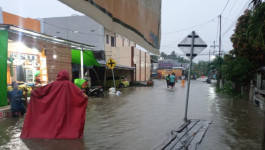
(56, 111)
(172, 80)
(183, 81)
(167, 80)
(15, 99)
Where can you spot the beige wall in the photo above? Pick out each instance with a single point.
(143, 65)
(121, 53)
(148, 66)
(137, 63)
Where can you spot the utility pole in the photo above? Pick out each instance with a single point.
(220, 17)
(213, 47)
(209, 54)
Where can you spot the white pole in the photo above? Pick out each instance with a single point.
(82, 64)
(188, 89)
(113, 79)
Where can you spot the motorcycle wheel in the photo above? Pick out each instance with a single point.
(100, 94)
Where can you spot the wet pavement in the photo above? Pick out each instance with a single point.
(142, 116)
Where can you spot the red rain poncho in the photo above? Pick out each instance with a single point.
(56, 111)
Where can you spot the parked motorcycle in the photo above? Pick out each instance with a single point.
(95, 91)
(92, 91)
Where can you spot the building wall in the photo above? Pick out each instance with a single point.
(62, 62)
(26, 23)
(142, 60)
(80, 29)
(120, 51)
(1, 16)
(148, 66)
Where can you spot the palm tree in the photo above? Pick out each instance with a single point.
(256, 31)
(256, 2)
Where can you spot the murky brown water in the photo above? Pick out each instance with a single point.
(140, 117)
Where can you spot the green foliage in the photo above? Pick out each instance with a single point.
(256, 2)
(238, 69)
(216, 64)
(200, 68)
(228, 88)
(154, 57)
(256, 28)
(248, 38)
(174, 56)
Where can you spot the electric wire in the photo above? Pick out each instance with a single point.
(206, 22)
(225, 7)
(231, 9)
(235, 20)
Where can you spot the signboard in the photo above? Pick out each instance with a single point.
(192, 45)
(111, 63)
(192, 41)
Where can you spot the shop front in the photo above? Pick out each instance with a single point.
(28, 55)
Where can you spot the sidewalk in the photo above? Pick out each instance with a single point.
(5, 112)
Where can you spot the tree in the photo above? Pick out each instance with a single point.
(216, 65)
(256, 2)
(154, 58)
(162, 54)
(256, 30)
(173, 55)
(242, 47)
(237, 69)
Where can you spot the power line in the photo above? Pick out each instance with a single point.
(235, 20)
(166, 45)
(191, 26)
(231, 9)
(225, 7)
(217, 32)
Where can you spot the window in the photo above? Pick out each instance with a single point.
(107, 39)
(112, 41)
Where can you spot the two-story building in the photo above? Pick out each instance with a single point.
(132, 63)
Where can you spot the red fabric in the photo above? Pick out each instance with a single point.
(55, 111)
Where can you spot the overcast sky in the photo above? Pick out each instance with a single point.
(179, 18)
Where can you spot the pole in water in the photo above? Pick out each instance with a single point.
(190, 66)
(113, 79)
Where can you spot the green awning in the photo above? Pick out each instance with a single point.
(88, 58)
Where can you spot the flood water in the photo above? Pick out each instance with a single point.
(142, 116)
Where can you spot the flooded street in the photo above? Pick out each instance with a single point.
(140, 118)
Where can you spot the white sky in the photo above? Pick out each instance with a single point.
(179, 18)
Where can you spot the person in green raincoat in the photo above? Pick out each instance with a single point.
(37, 78)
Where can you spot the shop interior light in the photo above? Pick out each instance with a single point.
(35, 50)
(20, 45)
(54, 56)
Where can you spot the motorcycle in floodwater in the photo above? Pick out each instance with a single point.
(92, 91)
(95, 91)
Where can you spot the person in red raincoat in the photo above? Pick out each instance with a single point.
(56, 111)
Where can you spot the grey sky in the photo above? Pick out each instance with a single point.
(179, 18)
